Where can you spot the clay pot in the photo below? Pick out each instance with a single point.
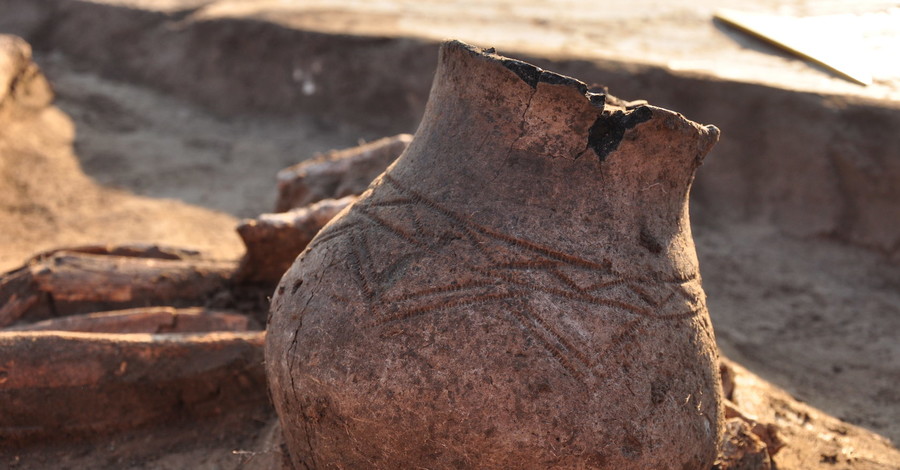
(518, 290)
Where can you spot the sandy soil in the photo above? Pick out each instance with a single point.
(678, 34)
(194, 174)
(153, 145)
(812, 315)
(49, 202)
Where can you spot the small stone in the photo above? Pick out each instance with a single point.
(767, 432)
(742, 449)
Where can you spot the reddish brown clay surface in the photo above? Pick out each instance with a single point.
(338, 173)
(519, 288)
(144, 320)
(274, 240)
(67, 283)
(99, 383)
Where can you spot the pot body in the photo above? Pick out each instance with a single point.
(519, 289)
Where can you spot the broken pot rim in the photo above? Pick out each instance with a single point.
(605, 103)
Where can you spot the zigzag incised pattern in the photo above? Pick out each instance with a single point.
(505, 270)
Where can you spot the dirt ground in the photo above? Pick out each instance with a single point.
(813, 315)
(678, 34)
(195, 176)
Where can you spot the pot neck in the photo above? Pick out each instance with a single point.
(500, 134)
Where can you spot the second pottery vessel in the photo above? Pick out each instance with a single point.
(518, 290)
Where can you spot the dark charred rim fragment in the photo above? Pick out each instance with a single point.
(609, 129)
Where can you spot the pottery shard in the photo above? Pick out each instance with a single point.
(60, 385)
(338, 173)
(150, 251)
(519, 289)
(274, 240)
(145, 320)
(74, 282)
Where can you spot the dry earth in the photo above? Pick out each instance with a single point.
(197, 173)
(814, 314)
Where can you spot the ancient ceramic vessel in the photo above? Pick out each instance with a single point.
(518, 290)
